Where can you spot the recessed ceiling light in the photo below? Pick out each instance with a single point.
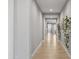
(50, 10)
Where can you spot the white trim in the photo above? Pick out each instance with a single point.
(65, 48)
(37, 48)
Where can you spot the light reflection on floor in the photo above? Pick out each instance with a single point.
(51, 49)
(54, 40)
(51, 37)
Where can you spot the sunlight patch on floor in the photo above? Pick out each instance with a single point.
(54, 40)
(49, 37)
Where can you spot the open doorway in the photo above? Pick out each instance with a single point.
(49, 28)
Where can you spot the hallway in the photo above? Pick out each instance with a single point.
(51, 48)
(32, 21)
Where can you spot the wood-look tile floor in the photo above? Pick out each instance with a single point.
(51, 49)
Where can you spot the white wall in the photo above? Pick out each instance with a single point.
(22, 17)
(11, 29)
(25, 28)
(36, 27)
(65, 12)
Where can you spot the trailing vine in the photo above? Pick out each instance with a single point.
(67, 30)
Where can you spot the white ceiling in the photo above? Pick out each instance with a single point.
(55, 5)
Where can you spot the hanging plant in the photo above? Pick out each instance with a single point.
(67, 30)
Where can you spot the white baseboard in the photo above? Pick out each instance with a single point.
(65, 48)
(37, 48)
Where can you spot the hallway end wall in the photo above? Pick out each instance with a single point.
(49, 16)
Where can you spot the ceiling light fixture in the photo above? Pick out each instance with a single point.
(50, 10)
